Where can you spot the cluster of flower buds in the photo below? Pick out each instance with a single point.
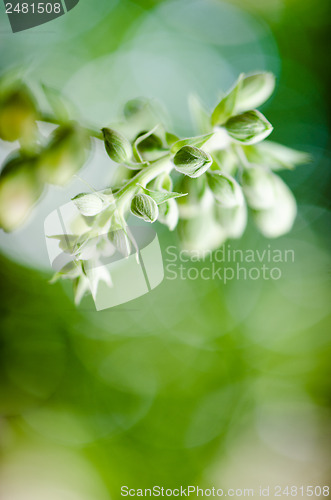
(37, 160)
(219, 176)
(205, 186)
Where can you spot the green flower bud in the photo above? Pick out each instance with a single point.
(199, 197)
(258, 187)
(64, 155)
(201, 233)
(89, 204)
(169, 214)
(117, 146)
(121, 241)
(249, 128)
(225, 189)
(232, 220)
(192, 161)
(275, 156)
(20, 188)
(279, 218)
(254, 91)
(144, 207)
(134, 107)
(17, 115)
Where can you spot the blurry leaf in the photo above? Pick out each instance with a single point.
(199, 115)
(276, 156)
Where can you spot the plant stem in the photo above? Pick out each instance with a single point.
(147, 174)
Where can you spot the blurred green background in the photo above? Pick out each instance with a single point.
(198, 382)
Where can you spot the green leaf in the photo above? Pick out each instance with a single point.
(249, 127)
(192, 161)
(171, 138)
(255, 90)
(226, 107)
(117, 146)
(198, 142)
(144, 207)
(161, 196)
